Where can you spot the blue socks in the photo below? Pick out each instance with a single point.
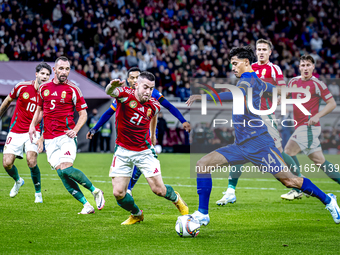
(204, 186)
(311, 189)
(135, 176)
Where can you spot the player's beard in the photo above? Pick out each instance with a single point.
(61, 78)
(142, 100)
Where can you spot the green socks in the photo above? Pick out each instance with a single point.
(291, 163)
(331, 171)
(35, 175)
(128, 204)
(13, 172)
(234, 175)
(170, 193)
(71, 186)
(79, 177)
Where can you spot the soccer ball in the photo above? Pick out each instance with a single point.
(187, 225)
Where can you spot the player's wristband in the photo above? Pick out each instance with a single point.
(92, 131)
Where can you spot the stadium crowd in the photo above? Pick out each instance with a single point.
(176, 40)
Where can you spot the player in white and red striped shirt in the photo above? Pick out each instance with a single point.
(57, 100)
(308, 129)
(26, 94)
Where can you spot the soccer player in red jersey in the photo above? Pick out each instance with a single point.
(18, 140)
(271, 73)
(57, 100)
(308, 129)
(136, 109)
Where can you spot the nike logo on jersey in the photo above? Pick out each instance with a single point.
(33, 99)
(141, 109)
(55, 93)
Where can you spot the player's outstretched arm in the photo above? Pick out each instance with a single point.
(111, 87)
(153, 126)
(330, 106)
(72, 133)
(4, 106)
(192, 99)
(36, 119)
(175, 112)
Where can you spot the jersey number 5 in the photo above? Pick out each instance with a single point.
(136, 117)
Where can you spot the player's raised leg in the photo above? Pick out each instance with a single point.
(31, 157)
(304, 184)
(8, 163)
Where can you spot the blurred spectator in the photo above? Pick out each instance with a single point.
(105, 137)
(162, 129)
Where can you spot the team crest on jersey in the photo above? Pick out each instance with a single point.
(263, 73)
(63, 94)
(26, 95)
(148, 113)
(133, 104)
(46, 92)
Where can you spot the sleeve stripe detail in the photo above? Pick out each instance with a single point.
(113, 108)
(74, 86)
(323, 85)
(160, 97)
(328, 96)
(281, 82)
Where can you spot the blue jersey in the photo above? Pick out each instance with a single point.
(243, 128)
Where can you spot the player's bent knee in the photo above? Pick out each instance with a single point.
(7, 164)
(119, 194)
(31, 163)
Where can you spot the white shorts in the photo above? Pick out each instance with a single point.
(61, 149)
(272, 129)
(124, 161)
(17, 143)
(307, 138)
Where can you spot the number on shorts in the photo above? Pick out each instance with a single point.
(269, 161)
(9, 139)
(31, 107)
(136, 116)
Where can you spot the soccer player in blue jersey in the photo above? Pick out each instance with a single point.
(252, 144)
(132, 77)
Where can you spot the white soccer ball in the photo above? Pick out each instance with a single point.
(187, 225)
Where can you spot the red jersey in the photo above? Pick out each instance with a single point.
(57, 102)
(317, 89)
(133, 120)
(27, 97)
(269, 73)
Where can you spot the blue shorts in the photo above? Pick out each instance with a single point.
(260, 151)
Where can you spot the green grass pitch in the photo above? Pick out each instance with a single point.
(258, 223)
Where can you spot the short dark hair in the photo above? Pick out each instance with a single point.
(307, 57)
(133, 69)
(62, 58)
(243, 52)
(147, 75)
(43, 65)
(266, 42)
